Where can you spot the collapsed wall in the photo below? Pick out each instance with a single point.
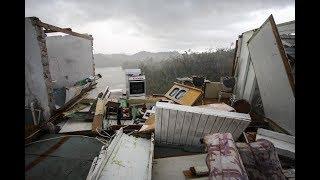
(38, 84)
(70, 59)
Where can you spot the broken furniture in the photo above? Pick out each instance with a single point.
(212, 90)
(127, 157)
(198, 82)
(185, 125)
(260, 160)
(242, 106)
(284, 144)
(227, 87)
(256, 160)
(223, 159)
(185, 80)
(183, 94)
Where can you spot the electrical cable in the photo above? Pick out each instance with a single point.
(43, 140)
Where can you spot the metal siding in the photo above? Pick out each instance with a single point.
(243, 64)
(273, 81)
(196, 122)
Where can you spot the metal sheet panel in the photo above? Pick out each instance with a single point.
(127, 157)
(196, 123)
(243, 64)
(284, 144)
(249, 84)
(274, 80)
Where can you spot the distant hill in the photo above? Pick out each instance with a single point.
(131, 61)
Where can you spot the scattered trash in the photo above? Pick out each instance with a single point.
(188, 118)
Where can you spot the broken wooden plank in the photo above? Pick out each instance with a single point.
(63, 30)
(106, 93)
(200, 171)
(99, 115)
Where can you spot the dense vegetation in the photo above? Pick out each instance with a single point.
(212, 65)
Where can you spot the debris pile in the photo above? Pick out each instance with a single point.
(175, 135)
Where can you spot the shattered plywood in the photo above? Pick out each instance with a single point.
(149, 125)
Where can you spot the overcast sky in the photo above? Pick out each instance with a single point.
(130, 26)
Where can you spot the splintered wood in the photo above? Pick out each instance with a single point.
(99, 115)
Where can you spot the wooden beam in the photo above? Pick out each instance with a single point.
(106, 92)
(99, 115)
(63, 30)
(52, 31)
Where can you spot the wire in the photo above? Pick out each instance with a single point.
(102, 141)
(43, 140)
(132, 132)
(102, 134)
(106, 133)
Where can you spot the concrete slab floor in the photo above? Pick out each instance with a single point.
(173, 167)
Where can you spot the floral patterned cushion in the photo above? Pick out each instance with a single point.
(223, 159)
(260, 160)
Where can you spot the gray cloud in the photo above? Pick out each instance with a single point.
(175, 24)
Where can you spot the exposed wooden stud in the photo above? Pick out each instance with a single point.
(52, 28)
(99, 115)
(53, 31)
